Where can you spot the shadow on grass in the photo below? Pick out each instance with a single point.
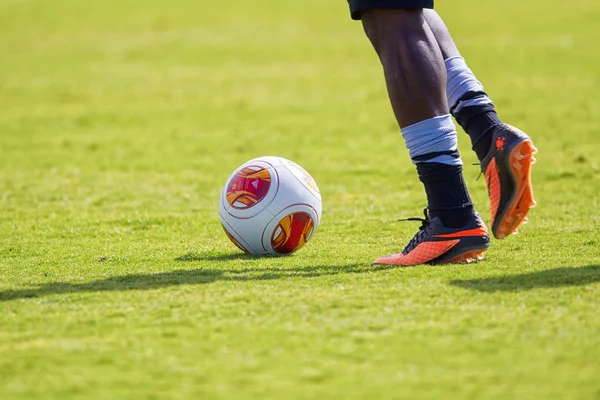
(189, 257)
(184, 277)
(553, 278)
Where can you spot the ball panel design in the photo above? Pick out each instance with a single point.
(246, 210)
(303, 176)
(247, 232)
(234, 240)
(292, 232)
(248, 187)
(291, 192)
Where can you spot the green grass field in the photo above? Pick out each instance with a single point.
(121, 120)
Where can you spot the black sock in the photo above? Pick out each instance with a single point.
(477, 122)
(481, 125)
(447, 194)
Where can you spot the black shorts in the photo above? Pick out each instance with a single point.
(356, 6)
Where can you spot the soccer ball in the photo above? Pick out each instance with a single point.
(270, 205)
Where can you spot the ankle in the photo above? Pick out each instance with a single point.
(479, 125)
(455, 217)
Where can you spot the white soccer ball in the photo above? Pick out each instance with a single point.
(270, 205)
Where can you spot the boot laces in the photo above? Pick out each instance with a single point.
(423, 231)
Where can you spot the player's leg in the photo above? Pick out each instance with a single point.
(416, 79)
(506, 153)
(467, 99)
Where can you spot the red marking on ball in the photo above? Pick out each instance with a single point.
(292, 232)
(248, 187)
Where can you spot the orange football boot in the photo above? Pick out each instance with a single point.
(507, 169)
(437, 244)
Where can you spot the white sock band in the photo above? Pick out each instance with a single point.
(431, 136)
(461, 80)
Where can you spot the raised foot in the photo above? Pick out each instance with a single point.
(521, 159)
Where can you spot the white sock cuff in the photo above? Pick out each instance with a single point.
(455, 62)
(461, 80)
(433, 135)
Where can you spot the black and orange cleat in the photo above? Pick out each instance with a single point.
(507, 169)
(437, 244)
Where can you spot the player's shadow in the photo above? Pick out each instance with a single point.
(224, 257)
(185, 277)
(552, 278)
